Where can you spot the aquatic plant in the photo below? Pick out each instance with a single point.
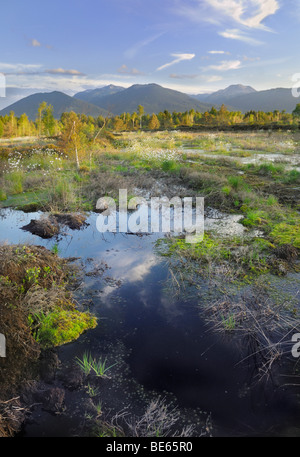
(99, 367)
(229, 323)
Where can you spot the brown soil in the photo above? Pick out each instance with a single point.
(49, 226)
(73, 221)
(44, 227)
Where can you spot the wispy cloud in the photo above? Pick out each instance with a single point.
(251, 59)
(35, 69)
(218, 52)
(236, 34)
(134, 50)
(178, 58)
(213, 78)
(62, 71)
(126, 71)
(18, 66)
(14, 68)
(68, 84)
(203, 77)
(176, 76)
(226, 65)
(248, 13)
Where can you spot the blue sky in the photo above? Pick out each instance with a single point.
(193, 46)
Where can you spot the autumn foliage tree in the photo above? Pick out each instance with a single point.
(41, 109)
(141, 111)
(154, 122)
(48, 121)
(73, 137)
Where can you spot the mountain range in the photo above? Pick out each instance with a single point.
(245, 98)
(152, 97)
(114, 100)
(60, 102)
(266, 100)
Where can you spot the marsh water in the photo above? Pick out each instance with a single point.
(159, 340)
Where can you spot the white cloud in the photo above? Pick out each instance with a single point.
(213, 79)
(68, 84)
(35, 43)
(218, 52)
(226, 65)
(235, 34)
(178, 58)
(248, 13)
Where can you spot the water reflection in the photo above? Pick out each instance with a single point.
(170, 346)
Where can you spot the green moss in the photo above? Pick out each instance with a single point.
(50, 317)
(62, 326)
(287, 234)
(209, 248)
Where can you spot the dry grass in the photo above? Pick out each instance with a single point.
(11, 417)
(16, 260)
(266, 327)
(158, 420)
(103, 183)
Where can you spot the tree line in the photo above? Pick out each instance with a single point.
(88, 126)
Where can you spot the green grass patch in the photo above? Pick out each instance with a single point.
(170, 165)
(292, 177)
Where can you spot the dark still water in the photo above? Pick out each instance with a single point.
(159, 340)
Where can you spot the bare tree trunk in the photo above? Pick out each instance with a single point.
(99, 131)
(76, 155)
(76, 149)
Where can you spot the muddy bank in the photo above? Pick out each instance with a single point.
(51, 225)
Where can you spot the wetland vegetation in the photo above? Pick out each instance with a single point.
(242, 280)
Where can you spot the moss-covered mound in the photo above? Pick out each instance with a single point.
(36, 311)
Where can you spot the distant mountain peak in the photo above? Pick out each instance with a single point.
(94, 95)
(224, 95)
(233, 91)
